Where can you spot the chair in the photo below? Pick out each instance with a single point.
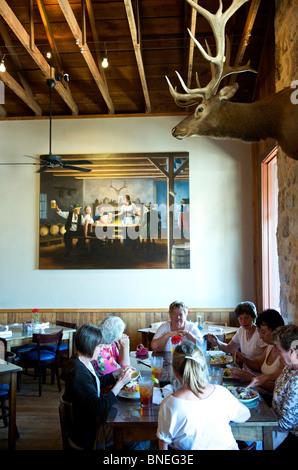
(64, 347)
(4, 390)
(42, 359)
(66, 421)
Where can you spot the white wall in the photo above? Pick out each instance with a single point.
(221, 271)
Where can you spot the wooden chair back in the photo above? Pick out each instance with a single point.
(66, 422)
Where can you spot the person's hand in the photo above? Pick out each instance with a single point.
(123, 342)
(213, 339)
(240, 357)
(188, 335)
(57, 208)
(256, 381)
(240, 374)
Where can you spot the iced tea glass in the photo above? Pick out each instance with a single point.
(156, 367)
(146, 390)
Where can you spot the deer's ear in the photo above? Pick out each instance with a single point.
(228, 91)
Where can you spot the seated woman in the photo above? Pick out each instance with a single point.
(83, 389)
(113, 353)
(285, 395)
(269, 362)
(247, 337)
(177, 325)
(197, 415)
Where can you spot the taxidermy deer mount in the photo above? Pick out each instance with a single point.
(274, 117)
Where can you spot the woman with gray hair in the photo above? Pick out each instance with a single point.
(114, 350)
(197, 415)
(177, 325)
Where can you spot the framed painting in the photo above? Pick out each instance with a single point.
(131, 211)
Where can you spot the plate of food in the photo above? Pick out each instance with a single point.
(130, 390)
(245, 395)
(219, 358)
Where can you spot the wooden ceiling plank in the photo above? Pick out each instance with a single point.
(77, 33)
(138, 53)
(18, 29)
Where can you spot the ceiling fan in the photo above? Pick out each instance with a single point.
(49, 161)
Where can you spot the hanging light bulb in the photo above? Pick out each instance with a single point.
(2, 66)
(105, 62)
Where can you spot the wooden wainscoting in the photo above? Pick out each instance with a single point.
(133, 318)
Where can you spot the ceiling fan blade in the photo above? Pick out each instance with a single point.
(78, 162)
(42, 169)
(12, 163)
(35, 158)
(77, 168)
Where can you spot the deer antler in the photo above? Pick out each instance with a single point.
(220, 66)
(118, 190)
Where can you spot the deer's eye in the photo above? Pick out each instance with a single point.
(199, 109)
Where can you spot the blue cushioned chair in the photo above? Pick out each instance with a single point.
(64, 347)
(42, 359)
(4, 390)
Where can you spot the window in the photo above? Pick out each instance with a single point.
(43, 206)
(271, 283)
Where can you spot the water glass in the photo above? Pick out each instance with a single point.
(215, 375)
(146, 390)
(156, 367)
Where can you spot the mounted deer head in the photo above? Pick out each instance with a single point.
(275, 117)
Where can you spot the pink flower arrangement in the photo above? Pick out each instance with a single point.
(176, 339)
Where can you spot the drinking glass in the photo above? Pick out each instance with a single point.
(215, 375)
(146, 390)
(156, 367)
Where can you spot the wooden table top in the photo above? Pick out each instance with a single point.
(127, 410)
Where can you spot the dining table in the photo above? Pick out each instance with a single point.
(133, 423)
(8, 375)
(17, 335)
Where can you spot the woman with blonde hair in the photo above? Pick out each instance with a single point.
(197, 415)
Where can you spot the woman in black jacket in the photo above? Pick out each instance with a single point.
(82, 389)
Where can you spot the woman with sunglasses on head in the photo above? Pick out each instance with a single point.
(197, 415)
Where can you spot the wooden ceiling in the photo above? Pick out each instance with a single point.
(144, 40)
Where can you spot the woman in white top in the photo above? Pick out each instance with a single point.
(269, 362)
(197, 415)
(177, 325)
(129, 210)
(247, 337)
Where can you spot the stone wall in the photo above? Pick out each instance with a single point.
(286, 59)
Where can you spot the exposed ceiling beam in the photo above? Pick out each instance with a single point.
(30, 100)
(18, 90)
(193, 22)
(77, 33)
(95, 38)
(245, 36)
(138, 53)
(34, 52)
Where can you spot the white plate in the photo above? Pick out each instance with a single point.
(246, 400)
(130, 395)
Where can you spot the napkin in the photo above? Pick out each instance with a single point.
(157, 396)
